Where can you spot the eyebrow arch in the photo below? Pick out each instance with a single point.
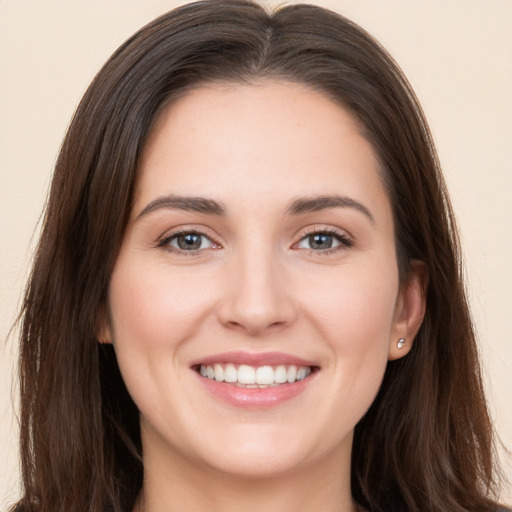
(314, 204)
(186, 203)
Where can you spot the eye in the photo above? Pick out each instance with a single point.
(324, 241)
(187, 241)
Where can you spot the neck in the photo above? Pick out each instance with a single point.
(173, 483)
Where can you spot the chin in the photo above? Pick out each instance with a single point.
(256, 464)
(271, 455)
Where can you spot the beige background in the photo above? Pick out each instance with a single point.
(456, 53)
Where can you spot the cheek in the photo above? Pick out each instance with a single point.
(354, 303)
(355, 314)
(151, 307)
(153, 312)
(136, 307)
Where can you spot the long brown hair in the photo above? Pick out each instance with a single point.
(426, 443)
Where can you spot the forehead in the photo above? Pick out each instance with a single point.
(261, 138)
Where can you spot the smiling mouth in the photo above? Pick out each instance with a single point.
(255, 376)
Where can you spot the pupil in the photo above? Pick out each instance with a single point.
(320, 241)
(189, 242)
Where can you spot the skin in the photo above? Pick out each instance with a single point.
(257, 285)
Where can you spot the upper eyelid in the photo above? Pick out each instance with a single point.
(181, 230)
(344, 237)
(165, 243)
(206, 232)
(168, 236)
(318, 228)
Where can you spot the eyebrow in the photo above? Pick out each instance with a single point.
(186, 203)
(314, 204)
(212, 207)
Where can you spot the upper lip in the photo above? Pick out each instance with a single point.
(254, 359)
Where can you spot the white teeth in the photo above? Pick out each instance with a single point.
(251, 377)
(280, 375)
(246, 374)
(291, 374)
(230, 373)
(265, 375)
(219, 372)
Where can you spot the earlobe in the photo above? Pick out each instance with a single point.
(103, 332)
(409, 311)
(104, 337)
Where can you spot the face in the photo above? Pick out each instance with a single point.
(255, 301)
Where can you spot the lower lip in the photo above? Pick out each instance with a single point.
(256, 397)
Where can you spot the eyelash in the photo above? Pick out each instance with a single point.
(344, 241)
(166, 241)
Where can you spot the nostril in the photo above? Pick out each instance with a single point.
(255, 321)
(253, 300)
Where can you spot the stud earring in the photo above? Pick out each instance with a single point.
(401, 343)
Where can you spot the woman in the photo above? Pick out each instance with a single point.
(246, 293)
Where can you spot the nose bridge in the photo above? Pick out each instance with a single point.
(257, 297)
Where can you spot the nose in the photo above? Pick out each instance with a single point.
(257, 298)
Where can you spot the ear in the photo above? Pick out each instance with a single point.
(409, 310)
(103, 331)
